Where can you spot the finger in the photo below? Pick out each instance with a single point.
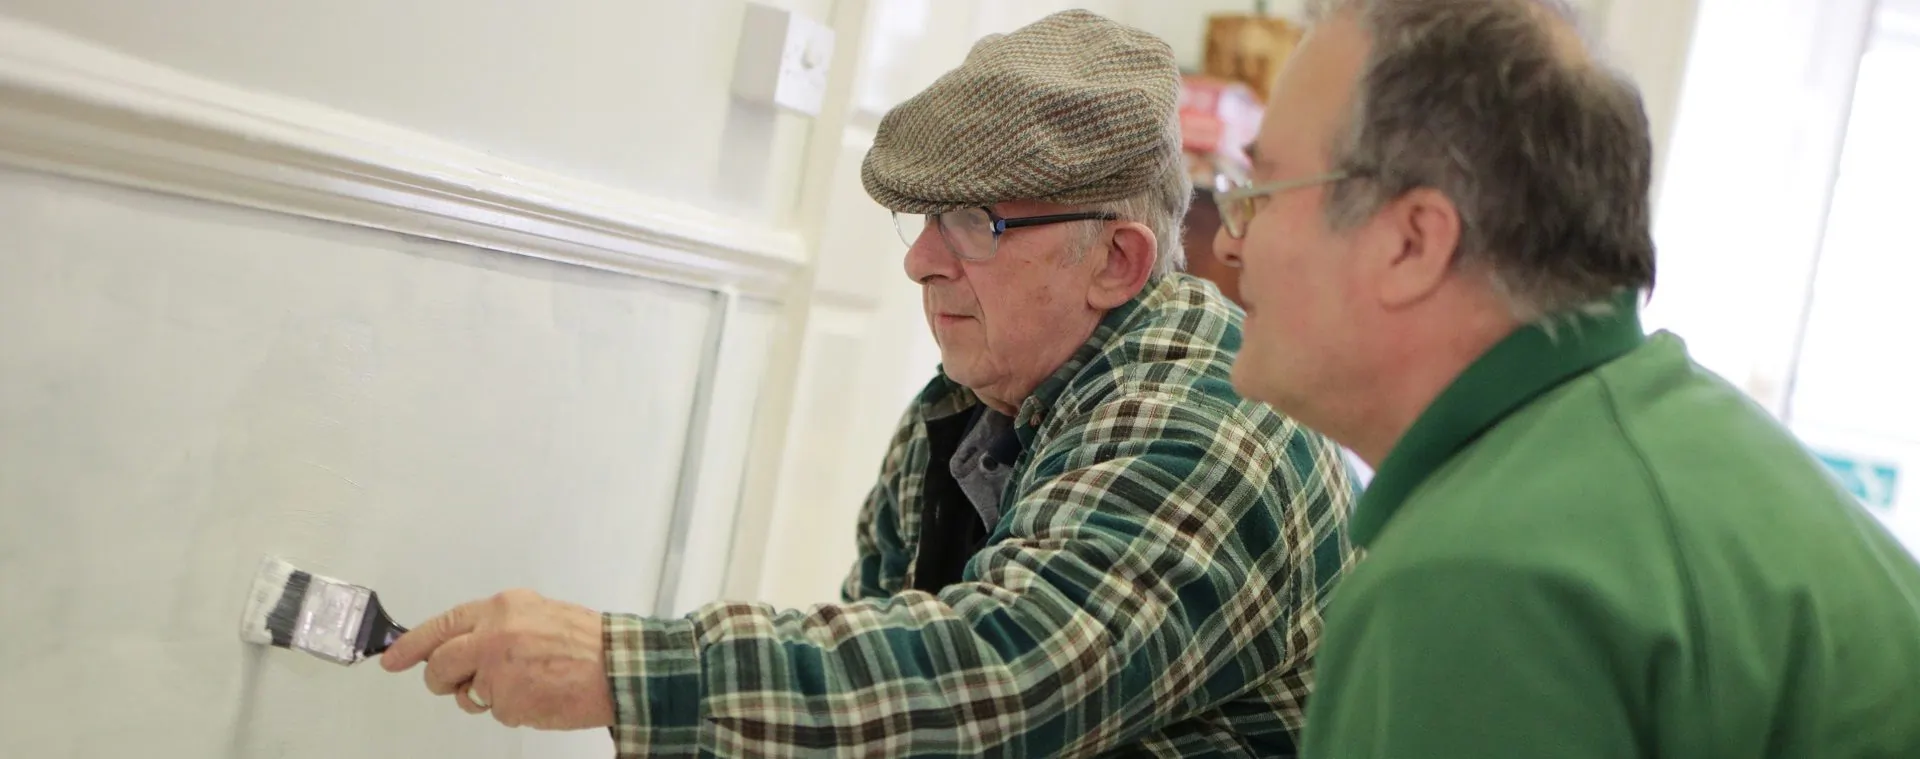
(471, 702)
(453, 665)
(508, 718)
(419, 643)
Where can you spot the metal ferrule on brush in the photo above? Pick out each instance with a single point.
(327, 619)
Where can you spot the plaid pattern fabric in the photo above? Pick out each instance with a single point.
(1154, 586)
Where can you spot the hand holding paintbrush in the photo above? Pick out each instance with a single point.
(530, 660)
(533, 661)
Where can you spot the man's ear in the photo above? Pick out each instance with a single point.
(1422, 241)
(1130, 254)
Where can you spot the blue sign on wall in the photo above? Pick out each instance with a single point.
(1873, 482)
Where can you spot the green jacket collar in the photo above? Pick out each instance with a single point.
(1518, 369)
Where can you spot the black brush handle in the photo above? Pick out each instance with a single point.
(377, 630)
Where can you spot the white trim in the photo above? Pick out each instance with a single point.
(1896, 22)
(699, 427)
(1907, 11)
(771, 442)
(1836, 44)
(71, 107)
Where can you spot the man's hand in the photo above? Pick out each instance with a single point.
(533, 661)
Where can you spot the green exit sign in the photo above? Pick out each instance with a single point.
(1873, 482)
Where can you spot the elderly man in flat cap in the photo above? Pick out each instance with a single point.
(1082, 542)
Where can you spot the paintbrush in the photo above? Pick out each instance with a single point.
(332, 619)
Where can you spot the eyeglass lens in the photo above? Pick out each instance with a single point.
(968, 232)
(1234, 214)
(910, 226)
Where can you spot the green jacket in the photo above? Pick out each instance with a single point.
(1589, 546)
(1152, 586)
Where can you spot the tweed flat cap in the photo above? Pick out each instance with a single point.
(1072, 109)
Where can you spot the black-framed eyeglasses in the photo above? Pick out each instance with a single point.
(973, 234)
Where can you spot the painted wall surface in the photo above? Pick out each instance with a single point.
(633, 94)
(1651, 40)
(185, 387)
(718, 478)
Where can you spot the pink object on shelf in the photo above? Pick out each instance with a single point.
(1218, 118)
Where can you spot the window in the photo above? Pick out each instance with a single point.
(1855, 393)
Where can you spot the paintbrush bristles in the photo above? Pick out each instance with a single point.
(291, 608)
(269, 585)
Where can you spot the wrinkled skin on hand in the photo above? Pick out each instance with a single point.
(529, 660)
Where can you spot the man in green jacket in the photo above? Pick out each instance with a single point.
(1578, 542)
(1082, 540)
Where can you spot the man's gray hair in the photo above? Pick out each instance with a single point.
(1163, 208)
(1546, 153)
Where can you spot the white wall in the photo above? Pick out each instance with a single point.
(186, 387)
(626, 93)
(1652, 41)
(413, 329)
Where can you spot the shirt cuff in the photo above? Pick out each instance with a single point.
(653, 669)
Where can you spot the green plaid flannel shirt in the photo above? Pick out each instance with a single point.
(1153, 588)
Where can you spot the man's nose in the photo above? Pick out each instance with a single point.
(929, 257)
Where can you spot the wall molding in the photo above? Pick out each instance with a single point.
(71, 107)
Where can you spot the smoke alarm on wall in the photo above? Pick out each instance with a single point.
(783, 59)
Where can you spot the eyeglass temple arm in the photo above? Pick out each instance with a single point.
(1269, 188)
(1034, 221)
